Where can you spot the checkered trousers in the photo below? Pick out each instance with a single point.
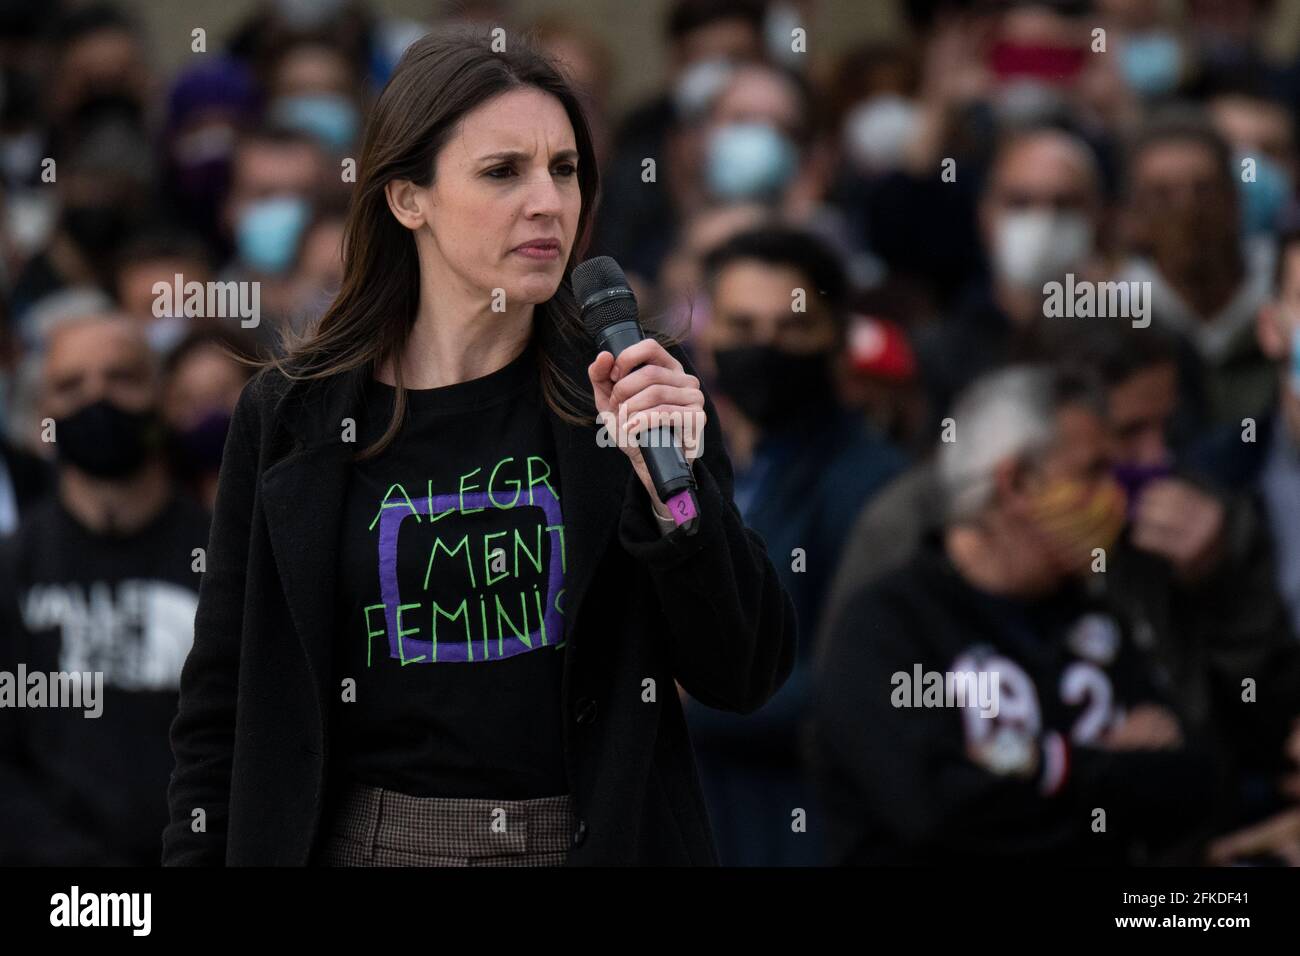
(372, 826)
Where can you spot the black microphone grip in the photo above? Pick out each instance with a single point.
(664, 457)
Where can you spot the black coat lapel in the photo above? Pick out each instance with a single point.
(593, 481)
(302, 498)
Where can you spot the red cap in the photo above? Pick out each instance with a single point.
(878, 348)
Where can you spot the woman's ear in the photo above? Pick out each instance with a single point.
(404, 202)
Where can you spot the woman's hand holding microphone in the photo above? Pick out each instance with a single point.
(630, 400)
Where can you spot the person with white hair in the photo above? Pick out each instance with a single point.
(1073, 755)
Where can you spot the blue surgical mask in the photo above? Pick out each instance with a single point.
(329, 117)
(267, 233)
(1265, 198)
(749, 161)
(1152, 63)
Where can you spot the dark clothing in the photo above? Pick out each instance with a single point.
(923, 229)
(884, 536)
(74, 789)
(1205, 639)
(30, 477)
(450, 620)
(635, 224)
(802, 491)
(903, 784)
(1200, 640)
(644, 609)
(1259, 578)
(1234, 465)
(975, 339)
(38, 278)
(805, 486)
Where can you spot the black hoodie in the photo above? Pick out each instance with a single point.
(900, 784)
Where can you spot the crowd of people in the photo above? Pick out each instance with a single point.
(1000, 312)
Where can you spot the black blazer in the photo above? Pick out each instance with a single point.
(251, 738)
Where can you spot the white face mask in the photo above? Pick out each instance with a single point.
(698, 85)
(878, 132)
(1033, 246)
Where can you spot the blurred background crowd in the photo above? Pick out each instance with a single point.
(932, 459)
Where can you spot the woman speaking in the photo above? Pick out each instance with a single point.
(441, 618)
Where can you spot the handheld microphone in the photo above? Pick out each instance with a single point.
(609, 314)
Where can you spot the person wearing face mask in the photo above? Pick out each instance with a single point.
(1195, 566)
(805, 465)
(749, 161)
(706, 39)
(101, 579)
(312, 90)
(275, 173)
(277, 176)
(103, 195)
(1261, 130)
(1039, 216)
(201, 384)
(206, 108)
(1002, 587)
(753, 143)
(1152, 62)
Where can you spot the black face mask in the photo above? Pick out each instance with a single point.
(97, 230)
(772, 386)
(107, 441)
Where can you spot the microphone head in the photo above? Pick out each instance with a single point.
(602, 291)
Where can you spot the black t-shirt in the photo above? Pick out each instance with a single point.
(93, 789)
(910, 780)
(451, 596)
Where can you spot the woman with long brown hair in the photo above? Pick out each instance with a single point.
(441, 620)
